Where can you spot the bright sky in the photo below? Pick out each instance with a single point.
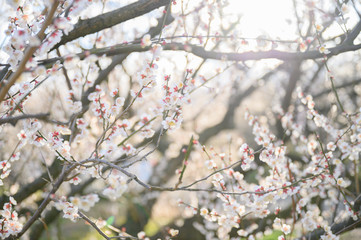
(264, 16)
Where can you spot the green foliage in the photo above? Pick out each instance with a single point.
(151, 228)
(110, 220)
(273, 235)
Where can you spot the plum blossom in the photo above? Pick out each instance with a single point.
(128, 149)
(204, 211)
(247, 156)
(117, 185)
(171, 123)
(324, 50)
(70, 212)
(85, 202)
(146, 41)
(75, 180)
(210, 164)
(9, 220)
(286, 229)
(64, 24)
(173, 232)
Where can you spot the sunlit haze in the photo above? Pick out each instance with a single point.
(264, 17)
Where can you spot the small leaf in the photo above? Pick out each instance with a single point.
(110, 220)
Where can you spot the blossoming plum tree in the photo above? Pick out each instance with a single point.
(165, 109)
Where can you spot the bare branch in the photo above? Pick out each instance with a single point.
(14, 120)
(93, 225)
(353, 34)
(201, 52)
(128, 174)
(107, 20)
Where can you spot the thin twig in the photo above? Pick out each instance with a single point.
(93, 225)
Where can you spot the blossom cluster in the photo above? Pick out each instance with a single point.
(285, 179)
(117, 185)
(10, 224)
(70, 210)
(321, 175)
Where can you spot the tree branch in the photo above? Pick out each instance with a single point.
(353, 34)
(107, 20)
(14, 120)
(201, 52)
